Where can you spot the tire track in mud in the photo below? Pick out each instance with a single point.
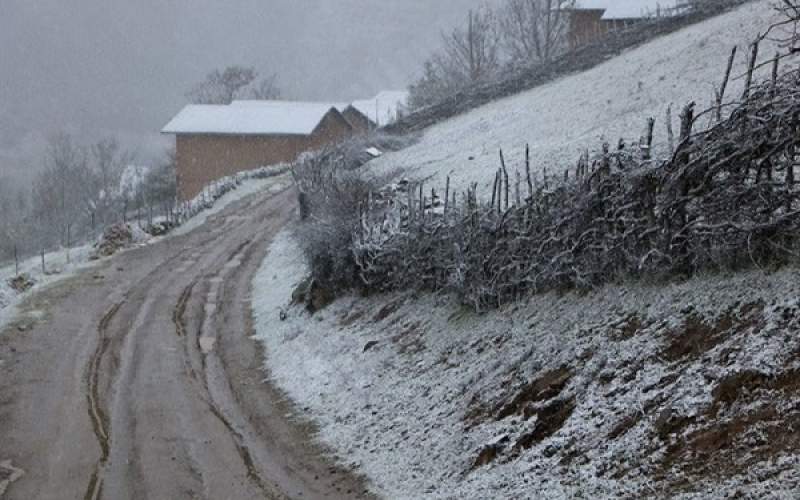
(101, 420)
(101, 423)
(181, 330)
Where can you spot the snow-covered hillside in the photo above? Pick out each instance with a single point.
(689, 390)
(563, 118)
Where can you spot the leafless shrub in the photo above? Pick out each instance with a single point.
(333, 192)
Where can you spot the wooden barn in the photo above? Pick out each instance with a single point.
(589, 20)
(385, 108)
(214, 141)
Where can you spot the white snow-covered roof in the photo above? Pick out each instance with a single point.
(384, 107)
(250, 118)
(340, 106)
(627, 9)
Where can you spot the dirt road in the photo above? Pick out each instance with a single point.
(138, 379)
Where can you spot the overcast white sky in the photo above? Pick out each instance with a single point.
(121, 67)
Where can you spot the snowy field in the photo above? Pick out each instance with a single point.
(410, 390)
(562, 118)
(57, 267)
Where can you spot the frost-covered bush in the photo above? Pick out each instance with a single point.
(333, 191)
(727, 198)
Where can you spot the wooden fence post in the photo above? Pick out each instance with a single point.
(720, 95)
(651, 123)
(494, 187)
(528, 169)
(751, 66)
(670, 133)
(446, 195)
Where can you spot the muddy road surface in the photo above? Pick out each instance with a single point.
(139, 379)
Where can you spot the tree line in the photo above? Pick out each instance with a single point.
(518, 32)
(80, 190)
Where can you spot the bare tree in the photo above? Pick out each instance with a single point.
(469, 54)
(473, 52)
(266, 89)
(63, 190)
(108, 163)
(533, 30)
(222, 87)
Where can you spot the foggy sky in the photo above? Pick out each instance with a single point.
(96, 68)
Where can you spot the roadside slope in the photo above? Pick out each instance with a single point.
(690, 390)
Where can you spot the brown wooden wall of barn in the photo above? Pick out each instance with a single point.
(202, 159)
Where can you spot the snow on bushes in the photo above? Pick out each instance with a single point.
(726, 198)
